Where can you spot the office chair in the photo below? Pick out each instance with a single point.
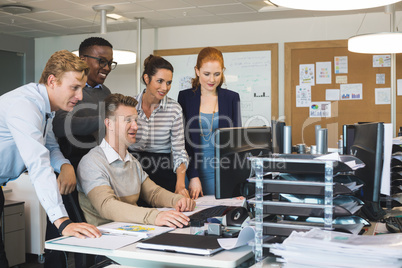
(87, 260)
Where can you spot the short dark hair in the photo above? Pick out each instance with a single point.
(153, 64)
(113, 101)
(92, 41)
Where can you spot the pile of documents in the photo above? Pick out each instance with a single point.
(319, 248)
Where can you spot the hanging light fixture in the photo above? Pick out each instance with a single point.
(376, 43)
(119, 55)
(327, 5)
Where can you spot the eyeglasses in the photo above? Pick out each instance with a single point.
(103, 62)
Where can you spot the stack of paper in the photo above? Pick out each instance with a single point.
(319, 248)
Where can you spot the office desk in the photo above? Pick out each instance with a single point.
(132, 256)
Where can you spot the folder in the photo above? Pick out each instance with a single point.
(182, 243)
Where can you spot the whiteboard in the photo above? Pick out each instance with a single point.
(247, 73)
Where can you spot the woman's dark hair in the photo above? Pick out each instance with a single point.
(208, 54)
(154, 63)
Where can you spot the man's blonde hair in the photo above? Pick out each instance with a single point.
(61, 62)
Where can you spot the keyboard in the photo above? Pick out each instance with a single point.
(394, 224)
(203, 215)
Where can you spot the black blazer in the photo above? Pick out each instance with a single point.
(229, 116)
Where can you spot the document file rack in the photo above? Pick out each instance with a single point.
(274, 165)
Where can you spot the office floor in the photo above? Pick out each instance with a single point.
(31, 261)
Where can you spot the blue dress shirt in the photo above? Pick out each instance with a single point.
(27, 142)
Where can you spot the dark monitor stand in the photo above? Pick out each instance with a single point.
(232, 148)
(368, 147)
(348, 133)
(277, 136)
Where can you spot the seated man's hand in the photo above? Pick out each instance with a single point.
(185, 204)
(66, 179)
(80, 230)
(172, 218)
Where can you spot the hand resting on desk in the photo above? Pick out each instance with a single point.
(175, 218)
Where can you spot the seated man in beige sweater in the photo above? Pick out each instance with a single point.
(110, 180)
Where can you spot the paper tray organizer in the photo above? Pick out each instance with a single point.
(301, 175)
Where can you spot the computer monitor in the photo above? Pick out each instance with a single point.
(368, 146)
(232, 147)
(348, 134)
(277, 136)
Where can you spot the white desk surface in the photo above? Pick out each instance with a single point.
(133, 256)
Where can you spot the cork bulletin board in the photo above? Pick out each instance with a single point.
(360, 71)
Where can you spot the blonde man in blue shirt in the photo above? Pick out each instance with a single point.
(27, 142)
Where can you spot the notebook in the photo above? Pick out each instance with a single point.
(182, 243)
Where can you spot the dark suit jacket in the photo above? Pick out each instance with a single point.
(229, 116)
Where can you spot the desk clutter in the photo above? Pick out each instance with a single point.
(213, 228)
(320, 248)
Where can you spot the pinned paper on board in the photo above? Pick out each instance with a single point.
(381, 60)
(332, 94)
(383, 96)
(399, 87)
(303, 96)
(323, 73)
(352, 91)
(341, 79)
(380, 79)
(341, 65)
(306, 74)
(320, 109)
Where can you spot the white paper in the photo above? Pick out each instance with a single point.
(140, 230)
(323, 72)
(103, 242)
(306, 74)
(210, 201)
(399, 87)
(320, 248)
(333, 156)
(386, 170)
(382, 96)
(341, 65)
(397, 141)
(246, 235)
(320, 109)
(303, 96)
(351, 91)
(380, 78)
(381, 60)
(332, 94)
(341, 79)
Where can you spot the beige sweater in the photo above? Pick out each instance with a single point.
(109, 189)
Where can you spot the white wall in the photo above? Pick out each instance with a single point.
(122, 79)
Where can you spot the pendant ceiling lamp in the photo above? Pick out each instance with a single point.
(330, 5)
(376, 43)
(119, 55)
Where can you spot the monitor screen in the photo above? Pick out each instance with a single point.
(368, 147)
(232, 147)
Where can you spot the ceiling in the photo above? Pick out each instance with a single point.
(66, 17)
